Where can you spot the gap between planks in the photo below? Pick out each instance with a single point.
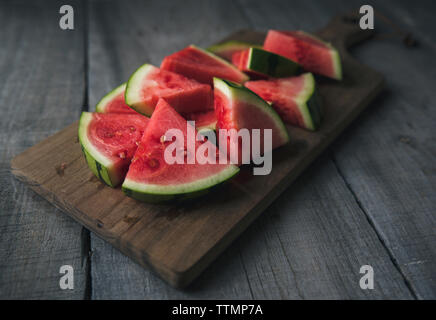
(86, 234)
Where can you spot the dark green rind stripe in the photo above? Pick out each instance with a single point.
(271, 64)
(97, 168)
(232, 84)
(165, 198)
(315, 107)
(137, 109)
(312, 105)
(128, 192)
(176, 197)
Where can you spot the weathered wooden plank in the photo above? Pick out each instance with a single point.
(41, 92)
(312, 242)
(308, 16)
(250, 274)
(414, 255)
(411, 242)
(389, 159)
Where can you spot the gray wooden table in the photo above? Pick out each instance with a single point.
(369, 200)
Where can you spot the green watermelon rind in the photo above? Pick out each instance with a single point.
(211, 126)
(102, 104)
(270, 64)
(235, 91)
(337, 65)
(336, 58)
(132, 94)
(309, 103)
(159, 193)
(100, 165)
(231, 45)
(244, 77)
(207, 130)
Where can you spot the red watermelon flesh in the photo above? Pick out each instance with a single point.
(311, 52)
(282, 93)
(114, 102)
(238, 108)
(295, 99)
(110, 141)
(150, 174)
(239, 115)
(236, 57)
(118, 105)
(116, 136)
(148, 84)
(198, 64)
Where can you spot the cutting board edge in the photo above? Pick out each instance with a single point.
(185, 277)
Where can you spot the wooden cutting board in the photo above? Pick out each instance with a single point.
(179, 241)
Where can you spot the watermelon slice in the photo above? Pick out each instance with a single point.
(295, 99)
(311, 52)
(263, 63)
(226, 49)
(236, 107)
(114, 102)
(150, 178)
(109, 141)
(238, 59)
(201, 65)
(205, 120)
(148, 84)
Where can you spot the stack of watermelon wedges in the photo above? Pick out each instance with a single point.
(232, 85)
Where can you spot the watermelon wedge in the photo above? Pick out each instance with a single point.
(258, 62)
(152, 179)
(295, 99)
(226, 49)
(201, 65)
(239, 59)
(205, 120)
(237, 108)
(311, 52)
(148, 84)
(109, 141)
(114, 102)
